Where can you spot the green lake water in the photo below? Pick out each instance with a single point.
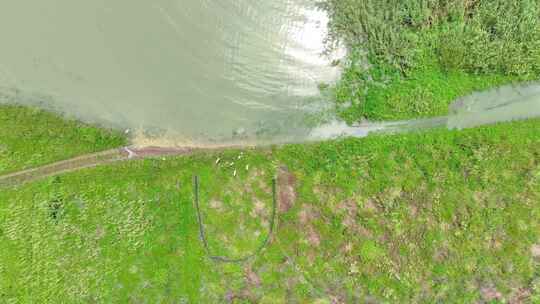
(199, 70)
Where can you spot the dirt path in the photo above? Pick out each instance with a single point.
(96, 159)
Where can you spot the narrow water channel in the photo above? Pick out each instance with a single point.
(504, 104)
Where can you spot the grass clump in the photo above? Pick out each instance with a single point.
(30, 137)
(441, 216)
(412, 58)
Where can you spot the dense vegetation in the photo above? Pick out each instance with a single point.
(412, 58)
(443, 216)
(31, 137)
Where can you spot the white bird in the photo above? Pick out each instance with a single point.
(131, 154)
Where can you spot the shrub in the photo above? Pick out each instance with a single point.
(476, 36)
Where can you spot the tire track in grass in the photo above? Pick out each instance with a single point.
(101, 158)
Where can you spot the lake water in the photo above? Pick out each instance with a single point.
(201, 70)
(197, 71)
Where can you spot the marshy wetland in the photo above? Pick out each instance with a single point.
(448, 211)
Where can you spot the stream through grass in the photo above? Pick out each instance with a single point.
(508, 103)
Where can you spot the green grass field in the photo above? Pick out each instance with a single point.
(30, 137)
(440, 216)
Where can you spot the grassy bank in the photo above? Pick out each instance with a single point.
(31, 137)
(442, 216)
(411, 58)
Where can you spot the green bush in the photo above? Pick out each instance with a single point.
(477, 36)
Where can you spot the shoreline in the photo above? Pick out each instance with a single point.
(487, 112)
